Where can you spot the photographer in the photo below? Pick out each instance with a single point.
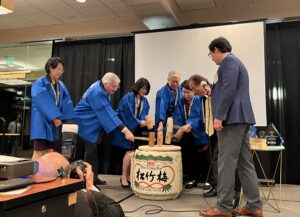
(90, 202)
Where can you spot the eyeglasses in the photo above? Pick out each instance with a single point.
(209, 54)
(114, 86)
(174, 81)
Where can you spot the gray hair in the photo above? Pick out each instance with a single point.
(173, 73)
(110, 78)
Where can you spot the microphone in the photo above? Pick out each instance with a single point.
(69, 137)
(206, 87)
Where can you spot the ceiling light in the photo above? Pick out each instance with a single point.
(7, 6)
(81, 1)
(13, 82)
(160, 22)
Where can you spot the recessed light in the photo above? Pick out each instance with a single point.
(81, 1)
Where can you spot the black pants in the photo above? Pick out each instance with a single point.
(195, 164)
(214, 158)
(94, 203)
(91, 154)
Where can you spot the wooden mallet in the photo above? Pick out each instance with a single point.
(169, 132)
(160, 138)
(149, 122)
(150, 139)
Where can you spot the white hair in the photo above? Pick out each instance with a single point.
(110, 78)
(173, 73)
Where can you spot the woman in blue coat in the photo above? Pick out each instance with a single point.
(132, 110)
(51, 105)
(189, 130)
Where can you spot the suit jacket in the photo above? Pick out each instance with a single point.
(230, 94)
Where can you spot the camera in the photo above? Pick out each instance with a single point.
(74, 165)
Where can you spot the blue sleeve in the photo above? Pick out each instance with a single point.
(67, 107)
(197, 123)
(146, 108)
(126, 112)
(107, 117)
(44, 101)
(196, 114)
(160, 107)
(178, 115)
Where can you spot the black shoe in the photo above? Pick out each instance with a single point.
(211, 193)
(99, 182)
(190, 184)
(124, 186)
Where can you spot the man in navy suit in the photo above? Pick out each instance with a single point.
(232, 113)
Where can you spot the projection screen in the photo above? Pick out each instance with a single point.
(186, 51)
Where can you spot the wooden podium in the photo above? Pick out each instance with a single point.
(51, 199)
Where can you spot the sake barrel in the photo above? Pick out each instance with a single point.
(156, 172)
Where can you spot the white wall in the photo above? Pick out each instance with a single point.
(187, 52)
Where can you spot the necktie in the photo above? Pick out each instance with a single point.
(209, 125)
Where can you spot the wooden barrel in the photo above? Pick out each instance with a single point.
(156, 172)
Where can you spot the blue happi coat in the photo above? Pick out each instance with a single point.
(126, 112)
(44, 109)
(195, 119)
(165, 104)
(94, 113)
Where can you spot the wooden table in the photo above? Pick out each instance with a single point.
(51, 199)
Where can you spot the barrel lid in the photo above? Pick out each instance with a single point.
(159, 148)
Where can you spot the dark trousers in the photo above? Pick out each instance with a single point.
(195, 164)
(91, 154)
(214, 159)
(94, 203)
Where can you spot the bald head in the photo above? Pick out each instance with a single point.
(50, 163)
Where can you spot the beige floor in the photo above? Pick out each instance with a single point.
(191, 201)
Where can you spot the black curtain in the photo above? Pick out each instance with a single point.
(282, 87)
(87, 61)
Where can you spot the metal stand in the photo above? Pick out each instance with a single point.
(269, 196)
